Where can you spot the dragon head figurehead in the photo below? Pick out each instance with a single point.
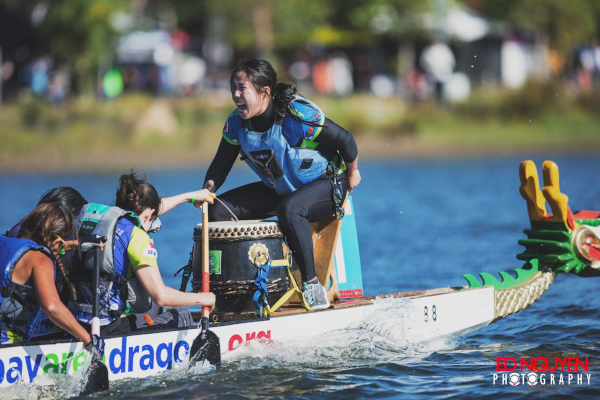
(561, 242)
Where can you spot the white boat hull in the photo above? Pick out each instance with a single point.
(428, 317)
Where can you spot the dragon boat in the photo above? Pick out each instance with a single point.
(560, 242)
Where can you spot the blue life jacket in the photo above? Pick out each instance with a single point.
(19, 308)
(118, 293)
(279, 165)
(12, 232)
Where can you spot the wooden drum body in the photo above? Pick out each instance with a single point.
(233, 247)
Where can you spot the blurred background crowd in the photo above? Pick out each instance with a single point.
(141, 71)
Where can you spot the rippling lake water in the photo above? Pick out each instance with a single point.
(421, 225)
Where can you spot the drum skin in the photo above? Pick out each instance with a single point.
(232, 271)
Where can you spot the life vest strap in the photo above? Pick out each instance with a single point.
(336, 194)
(87, 308)
(187, 273)
(120, 279)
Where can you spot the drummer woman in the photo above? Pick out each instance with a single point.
(306, 163)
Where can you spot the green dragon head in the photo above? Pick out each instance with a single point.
(563, 241)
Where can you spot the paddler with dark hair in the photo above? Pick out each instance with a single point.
(71, 200)
(306, 163)
(130, 280)
(66, 197)
(30, 305)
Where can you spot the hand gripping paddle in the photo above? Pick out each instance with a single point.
(98, 373)
(206, 346)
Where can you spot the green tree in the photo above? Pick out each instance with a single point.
(267, 25)
(564, 24)
(76, 34)
(79, 34)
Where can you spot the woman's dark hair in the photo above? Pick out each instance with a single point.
(65, 196)
(43, 225)
(261, 74)
(136, 194)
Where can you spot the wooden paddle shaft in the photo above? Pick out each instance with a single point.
(205, 255)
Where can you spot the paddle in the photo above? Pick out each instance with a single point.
(206, 346)
(98, 373)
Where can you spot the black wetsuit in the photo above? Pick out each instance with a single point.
(310, 203)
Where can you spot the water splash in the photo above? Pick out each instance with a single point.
(200, 368)
(390, 323)
(382, 336)
(50, 386)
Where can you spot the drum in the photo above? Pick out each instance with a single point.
(234, 250)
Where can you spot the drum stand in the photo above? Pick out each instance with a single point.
(268, 310)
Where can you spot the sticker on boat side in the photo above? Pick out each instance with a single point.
(214, 264)
(127, 356)
(433, 313)
(236, 340)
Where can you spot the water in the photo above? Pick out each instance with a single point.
(421, 225)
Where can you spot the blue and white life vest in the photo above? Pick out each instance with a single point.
(19, 307)
(118, 293)
(279, 165)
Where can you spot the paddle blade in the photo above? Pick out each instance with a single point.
(206, 347)
(98, 378)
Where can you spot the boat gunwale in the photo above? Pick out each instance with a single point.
(359, 302)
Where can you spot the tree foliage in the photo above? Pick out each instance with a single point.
(75, 33)
(297, 22)
(564, 24)
(79, 33)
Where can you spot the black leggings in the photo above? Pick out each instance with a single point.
(311, 203)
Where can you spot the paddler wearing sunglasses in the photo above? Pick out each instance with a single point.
(130, 280)
(30, 303)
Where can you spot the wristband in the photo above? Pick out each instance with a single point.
(193, 200)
